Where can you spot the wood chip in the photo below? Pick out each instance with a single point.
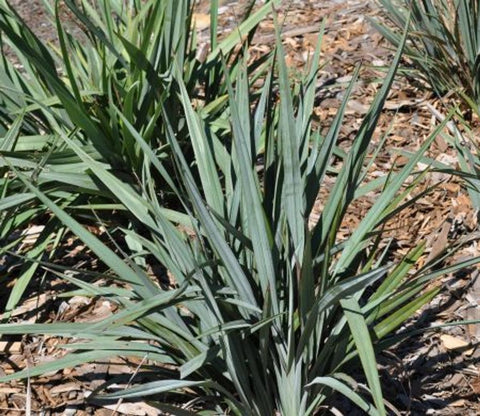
(440, 241)
(8, 347)
(201, 21)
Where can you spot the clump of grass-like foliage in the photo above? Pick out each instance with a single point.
(264, 315)
(443, 43)
(90, 88)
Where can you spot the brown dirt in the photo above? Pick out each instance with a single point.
(427, 375)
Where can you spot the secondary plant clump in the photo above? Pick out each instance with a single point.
(442, 44)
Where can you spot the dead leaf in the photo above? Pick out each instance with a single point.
(453, 343)
(133, 409)
(440, 241)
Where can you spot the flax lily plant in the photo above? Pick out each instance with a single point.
(443, 43)
(262, 314)
(79, 87)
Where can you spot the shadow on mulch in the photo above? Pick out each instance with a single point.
(422, 377)
(419, 375)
